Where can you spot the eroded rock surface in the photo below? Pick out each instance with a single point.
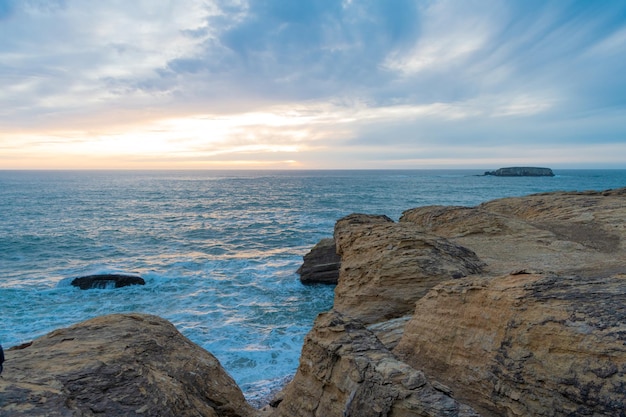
(516, 307)
(386, 266)
(346, 371)
(525, 344)
(569, 233)
(117, 365)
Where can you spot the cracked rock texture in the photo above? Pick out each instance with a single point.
(386, 266)
(346, 371)
(117, 365)
(516, 307)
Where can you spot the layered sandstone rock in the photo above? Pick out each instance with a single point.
(525, 344)
(580, 233)
(346, 371)
(515, 307)
(386, 267)
(118, 365)
(544, 343)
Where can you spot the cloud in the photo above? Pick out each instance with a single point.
(359, 78)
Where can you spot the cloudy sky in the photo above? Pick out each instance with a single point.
(312, 83)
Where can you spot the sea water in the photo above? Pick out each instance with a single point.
(218, 249)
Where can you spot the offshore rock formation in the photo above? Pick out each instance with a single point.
(521, 172)
(117, 365)
(107, 281)
(321, 264)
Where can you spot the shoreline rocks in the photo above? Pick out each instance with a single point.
(103, 281)
(122, 364)
(534, 324)
(511, 308)
(387, 266)
(321, 264)
(346, 371)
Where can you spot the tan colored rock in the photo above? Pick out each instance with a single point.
(117, 365)
(390, 332)
(345, 371)
(486, 330)
(525, 344)
(386, 267)
(566, 233)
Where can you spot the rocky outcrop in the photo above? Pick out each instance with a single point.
(515, 307)
(525, 344)
(567, 233)
(386, 267)
(346, 371)
(321, 264)
(118, 365)
(107, 281)
(521, 172)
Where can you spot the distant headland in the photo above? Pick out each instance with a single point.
(521, 172)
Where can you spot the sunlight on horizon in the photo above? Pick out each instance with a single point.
(275, 137)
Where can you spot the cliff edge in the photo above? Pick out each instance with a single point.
(515, 307)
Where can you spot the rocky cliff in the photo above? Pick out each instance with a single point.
(516, 307)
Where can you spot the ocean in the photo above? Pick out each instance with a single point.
(218, 249)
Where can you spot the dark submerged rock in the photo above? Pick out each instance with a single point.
(521, 172)
(107, 281)
(321, 264)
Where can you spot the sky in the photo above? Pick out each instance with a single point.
(312, 84)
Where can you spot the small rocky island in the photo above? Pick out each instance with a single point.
(515, 307)
(521, 172)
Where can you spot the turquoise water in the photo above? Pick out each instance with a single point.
(218, 249)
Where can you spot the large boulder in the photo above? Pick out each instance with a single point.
(386, 266)
(103, 281)
(117, 365)
(345, 371)
(321, 264)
